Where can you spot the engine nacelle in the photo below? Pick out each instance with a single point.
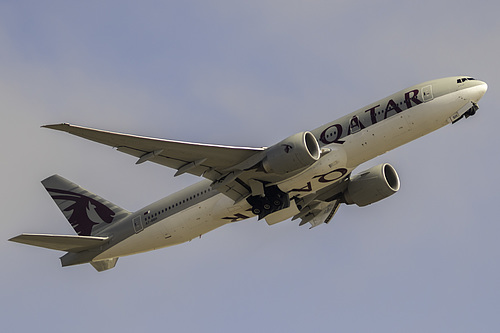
(372, 185)
(294, 153)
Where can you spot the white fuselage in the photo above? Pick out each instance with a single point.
(199, 209)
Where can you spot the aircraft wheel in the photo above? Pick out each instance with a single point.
(256, 210)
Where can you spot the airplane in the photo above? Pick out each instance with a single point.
(305, 177)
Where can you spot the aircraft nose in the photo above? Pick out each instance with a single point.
(479, 91)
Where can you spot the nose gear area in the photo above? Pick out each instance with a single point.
(469, 113)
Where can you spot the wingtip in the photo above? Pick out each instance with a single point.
(59, 127)
(16, 239)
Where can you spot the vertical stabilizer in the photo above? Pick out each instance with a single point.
(87, 213)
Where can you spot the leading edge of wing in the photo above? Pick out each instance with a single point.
(81, 130)
(170, 153)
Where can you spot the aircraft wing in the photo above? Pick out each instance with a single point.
(198, 159)
(221, 164)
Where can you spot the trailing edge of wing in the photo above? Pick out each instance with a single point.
(67, 243)
(194, 158)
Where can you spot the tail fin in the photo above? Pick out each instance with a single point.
(87, 213)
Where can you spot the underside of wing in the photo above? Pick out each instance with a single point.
(186, 157)
(67, 243)
(223, 165)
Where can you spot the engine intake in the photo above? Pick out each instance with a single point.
(294, 153)
(372, 185)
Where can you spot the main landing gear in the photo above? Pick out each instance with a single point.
(273, 200)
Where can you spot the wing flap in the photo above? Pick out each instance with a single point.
(318, 213)
(67, 243)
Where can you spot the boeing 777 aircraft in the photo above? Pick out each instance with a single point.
(305, 177)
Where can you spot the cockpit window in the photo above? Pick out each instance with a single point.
(465, 79)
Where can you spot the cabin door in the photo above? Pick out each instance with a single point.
(137, 223)
(427, 93)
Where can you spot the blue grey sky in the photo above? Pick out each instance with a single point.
(249, 73)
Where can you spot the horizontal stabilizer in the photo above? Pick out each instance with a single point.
(61, 242)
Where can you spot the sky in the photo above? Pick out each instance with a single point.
(249, 73)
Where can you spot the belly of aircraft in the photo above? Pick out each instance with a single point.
(176, 229)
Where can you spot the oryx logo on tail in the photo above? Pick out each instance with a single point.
(87, 212)
(84, 212)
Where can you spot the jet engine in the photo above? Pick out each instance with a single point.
(294, 153)
(372, 185)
